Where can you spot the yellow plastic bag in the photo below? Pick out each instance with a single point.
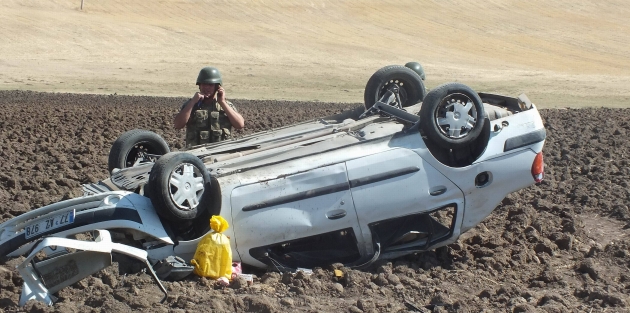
(213, 258)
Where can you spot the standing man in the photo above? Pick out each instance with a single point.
(208, 116)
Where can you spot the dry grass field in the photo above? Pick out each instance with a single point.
(561, 53)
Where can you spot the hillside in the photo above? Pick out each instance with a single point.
(561, 53)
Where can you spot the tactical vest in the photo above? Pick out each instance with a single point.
(208, 123)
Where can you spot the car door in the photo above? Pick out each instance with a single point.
(403, 202)
(305, 219)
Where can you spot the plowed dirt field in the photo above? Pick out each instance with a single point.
(561, 246)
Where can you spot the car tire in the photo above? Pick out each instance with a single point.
(452, 115)
(412, 88)
(134, 145)
(177, 187)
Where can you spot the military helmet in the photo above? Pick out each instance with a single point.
(416, 67)
(209, 75)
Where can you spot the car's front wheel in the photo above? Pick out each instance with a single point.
(452, 115)
(179, 186)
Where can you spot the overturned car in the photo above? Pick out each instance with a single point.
(409, 172)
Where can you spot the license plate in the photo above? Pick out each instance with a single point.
(48, 224)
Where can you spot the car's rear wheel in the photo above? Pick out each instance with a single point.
(177, 186)
(411, 87)
(452, 115)
(134, 147)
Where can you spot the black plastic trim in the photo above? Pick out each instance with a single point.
(383, 176)
(525, 139)
(297, 197)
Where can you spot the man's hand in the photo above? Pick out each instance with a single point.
(235, 118)
(182, 117)
(198, 97)
(221, 94)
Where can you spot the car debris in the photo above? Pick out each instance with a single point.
(408, 172)
(62, 269)
(173, 268)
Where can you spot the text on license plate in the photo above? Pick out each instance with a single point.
(50, 223)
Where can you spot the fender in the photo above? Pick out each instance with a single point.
(108, 210)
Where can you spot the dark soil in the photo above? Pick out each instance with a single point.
(561, 246)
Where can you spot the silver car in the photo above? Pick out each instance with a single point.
(410, 171)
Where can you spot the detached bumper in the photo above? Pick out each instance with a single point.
(62, 268)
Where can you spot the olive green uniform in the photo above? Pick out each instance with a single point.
(208, 123)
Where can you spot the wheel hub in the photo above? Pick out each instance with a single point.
(457, 116)
(139, 154)
(186, 186)
(402, 93)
